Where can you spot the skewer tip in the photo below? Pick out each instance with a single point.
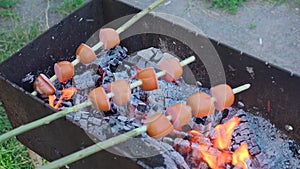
(241, 88)
(188, 60)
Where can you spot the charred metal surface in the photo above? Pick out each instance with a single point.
(61, 137)
(56, 44)
(57, 139)
(274, 92)
(272, 88)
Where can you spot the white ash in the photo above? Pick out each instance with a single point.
(275, 146)
(83, 81)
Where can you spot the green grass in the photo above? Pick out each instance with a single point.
(8, 13)
(68, 6)
(231, 5)
(8, 3)
(13, 155)
(276, 2)
(13, 39)
(252, 26)
(228, 5)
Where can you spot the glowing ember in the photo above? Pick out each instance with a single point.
(217, 155)
(67, 94)
(240, 156)
(51, 100)
(216, 159)
(224, 133)
(195, 133)
(210, 159)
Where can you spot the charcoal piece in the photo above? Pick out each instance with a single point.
(225, 113)
(97, 80)
(68, 103)
(122, 118)
(182, 146)
(83, 123)
(254, 150)
(115, 129)
(127, 128)
(84, 80)
(295, 148)
(77, 116)
(147, 54)
(201, 120)
(95, 121)
(58, 93)
(67, 84)
(142, 107)
(57, 85)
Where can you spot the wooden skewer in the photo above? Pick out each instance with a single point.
(236, 90)
(109, 142)
(96, 148)
(46, 120)
(121, 29)
(241, 88)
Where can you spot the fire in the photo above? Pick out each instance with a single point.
(216, 159)
(240, 156)
(195, 133)
(209, 158)
(66, 95)
(217, 155)
(51, 100)
(224, 133)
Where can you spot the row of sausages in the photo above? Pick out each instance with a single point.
(199, 104)
(149, 81)
(64, 70)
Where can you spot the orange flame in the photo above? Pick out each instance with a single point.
(65, 95)
(51, 100)
(209, 158)
(217, 159)
(224, 133)
(240, 156)
(195, 133)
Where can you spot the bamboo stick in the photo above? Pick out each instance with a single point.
(121, 29)
(46, 120)
(95, 148)
(241, 88)
(112, 141)
(59, 114)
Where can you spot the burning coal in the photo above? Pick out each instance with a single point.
(218, 140)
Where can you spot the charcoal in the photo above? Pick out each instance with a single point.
(58, 93)
(84, 80)
(267, 146)
(57, 85)
(83, 123)
(68, 103)
(127, 128)
(178, 159)
(147, 54)
(200, 120)
(95, 121)
(295, 148)
(122, 118)
(67, 84)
